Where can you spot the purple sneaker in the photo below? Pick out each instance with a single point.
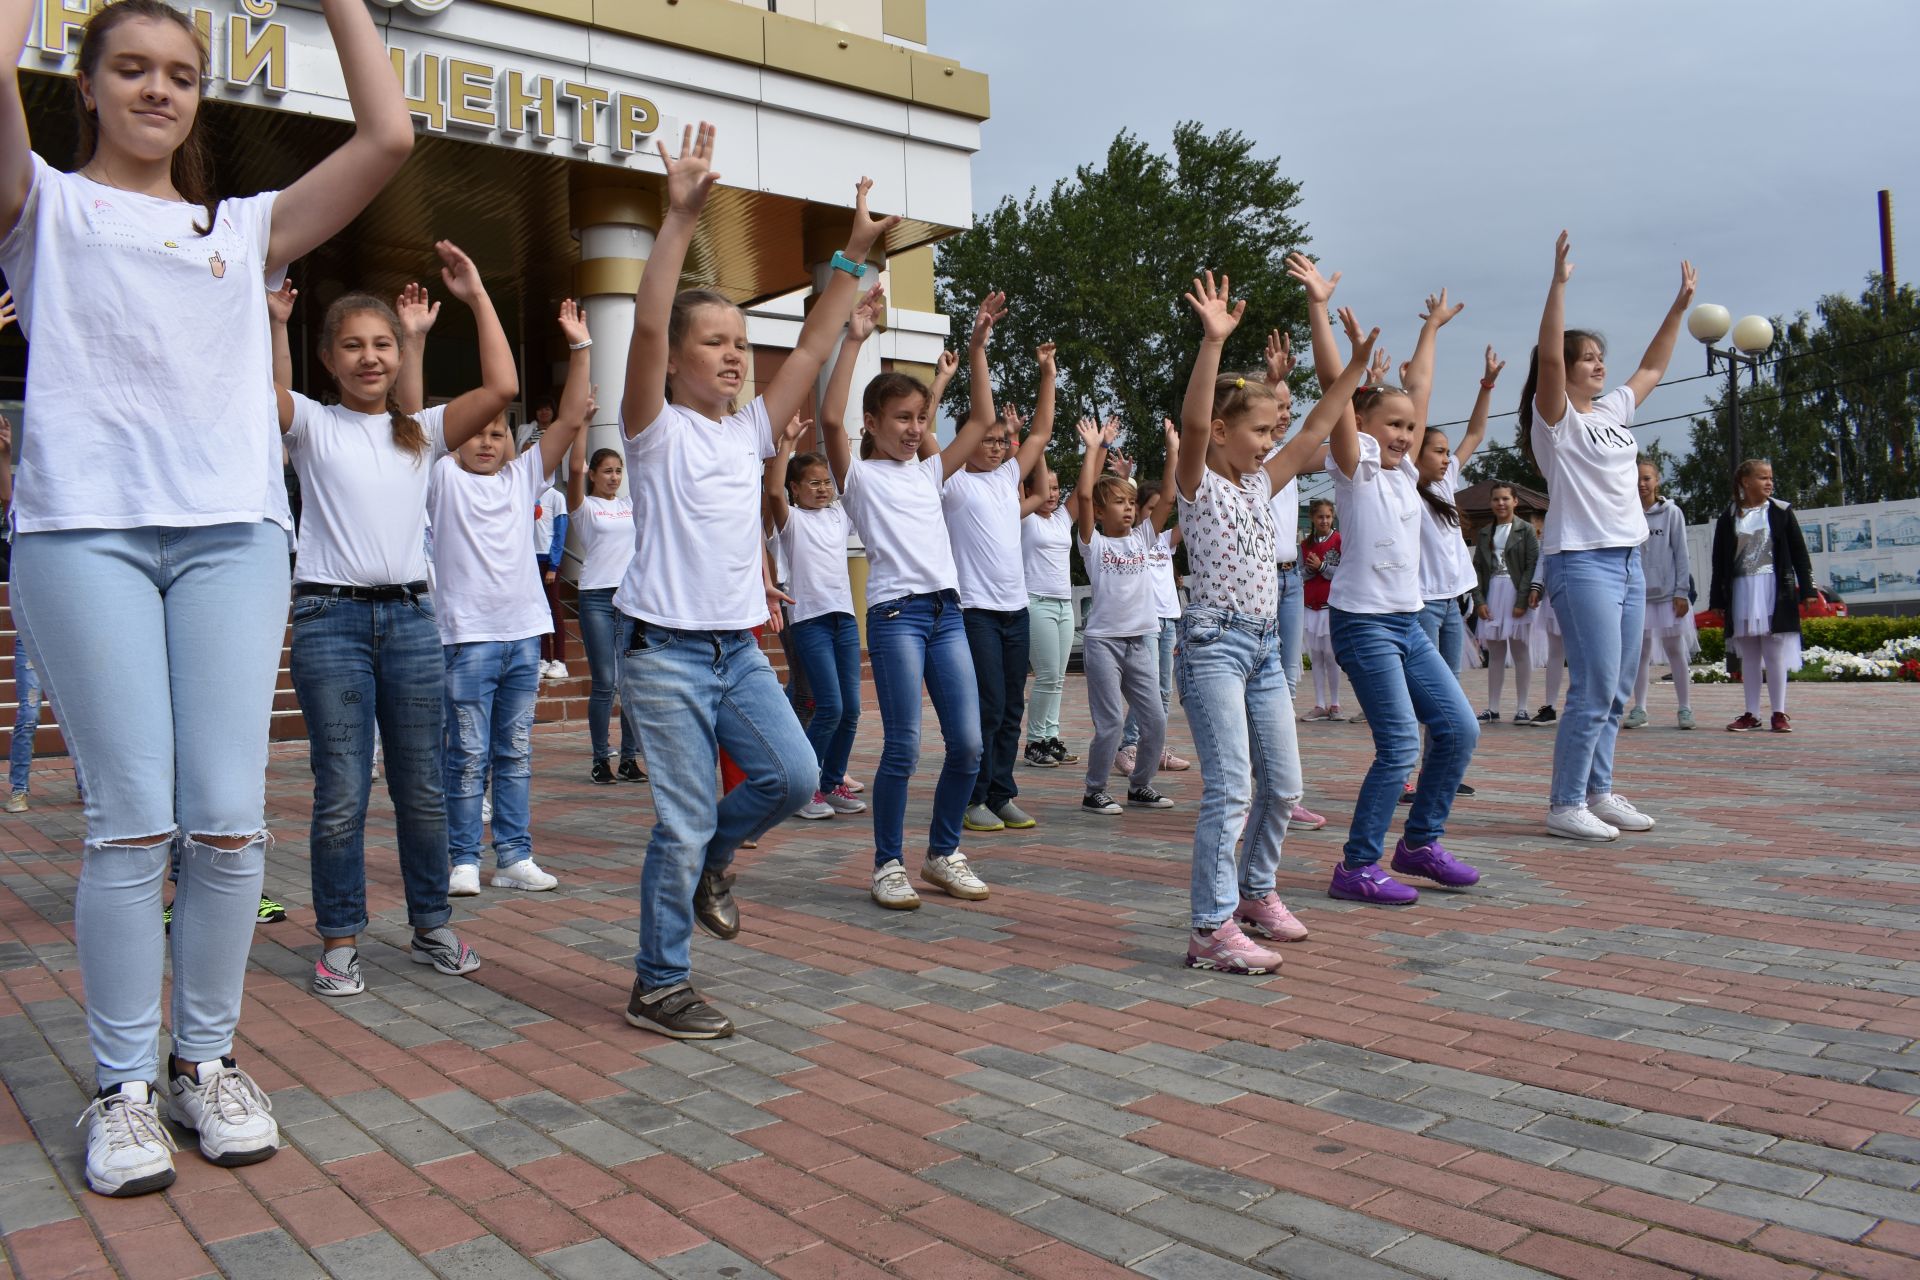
(1370, 884)
(1433, 862)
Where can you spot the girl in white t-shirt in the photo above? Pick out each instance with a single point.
(151, 479)
(366, 658)
(1232, 674)
(1375, 609)
(1579, 436)
(1046, 536)
(1166, 604)
(914, 629)
(601, 528)
(492, 613)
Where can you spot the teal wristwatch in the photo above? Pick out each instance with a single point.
(841, 262)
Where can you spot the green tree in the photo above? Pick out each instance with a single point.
(1099, 266)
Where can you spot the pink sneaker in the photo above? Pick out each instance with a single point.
(1171, 763)
(1305, 818)
(1269, 917)
(1229, 951)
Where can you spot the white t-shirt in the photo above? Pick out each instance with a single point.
(1286, 521)
(896, 508)
(815, 544)
(552, 503)
(1379, 512)
(1044, 541)
(486, 585)
(1166, 591)
(151, 397)
(363, 514)
(1231, 545)
(1446, 561)
(601, 530)
(1591, 461)
(1120, 571)
(983, 524)
(696, 487)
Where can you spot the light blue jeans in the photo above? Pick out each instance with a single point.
(1292, 617)
(912, 640)
(694, 693)
(1234, 691)
(491, 688)
(1049, 644)
(161, 647)
(604, 631)
(1600, 599)
(1402, 683)
(26, 715)
(1169, 632)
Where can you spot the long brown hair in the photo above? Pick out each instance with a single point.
(882, 391)
(192, 171)
(408, 435)
(1572, 342)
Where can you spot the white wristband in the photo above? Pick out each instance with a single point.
(580, 346)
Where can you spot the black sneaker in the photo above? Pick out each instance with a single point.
(676, 1011)
(1545, 715)
(1147, 798)
(1060, 752)
(602, 773)
(1464, 789)
(1040, 756)
(1489, 717)
(1099, 802)
(713, 905)
(630, 771)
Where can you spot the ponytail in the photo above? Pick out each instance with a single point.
(1572, 343)
(408, 435)
(1443, 509)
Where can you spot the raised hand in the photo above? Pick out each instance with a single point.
(1563, 269)
(1363, 344)
(1120, 465)
(1438, 312)
(592, 406)
(1089, 433)
(573, 323)
(1173, 444)
(867, 229)
(279, 304)
(1219, 314)
(1406, 372)
(947, 365)
(7, 315)
(1381, 364)
(1494, 365)
(992, 310)
(1319, 288)
(458, 273)
(690, 178)
(793, 433)
(1015, 424)
(866, 315)
(1109, 432)
(1044, 354)
(1280, 360)
(416, 311)
(1688, 279)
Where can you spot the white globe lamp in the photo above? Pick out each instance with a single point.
(1753, 334)
(1709, 322)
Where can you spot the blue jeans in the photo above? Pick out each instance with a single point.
(1292, 617)
(491, 687)
(1402, 683)
(160, 646)
(694, 693)
(1446, 630)
(997, 642)
(603, 630)
(361, 666)
(1169, 628)
(828, 648)
(1234, 690)
(26, 716)
(1600, 599)
(912, 639)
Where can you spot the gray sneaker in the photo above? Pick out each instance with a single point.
(1686, 717)
(1013, 817)
(981, 818)
(1634, 719)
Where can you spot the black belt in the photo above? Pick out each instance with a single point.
(392, 591)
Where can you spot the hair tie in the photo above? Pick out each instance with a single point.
(1239, 384)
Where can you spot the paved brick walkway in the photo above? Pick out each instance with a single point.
(1689, 1054)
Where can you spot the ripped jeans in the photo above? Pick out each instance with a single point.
(161, 646)
(491, 689)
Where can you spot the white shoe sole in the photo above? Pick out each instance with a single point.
(826, 811)
(895, 904)
(1598, 837)
(503, 882)
(137, 1184)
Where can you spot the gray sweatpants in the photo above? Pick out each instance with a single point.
(1123, 673)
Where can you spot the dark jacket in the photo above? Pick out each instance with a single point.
(1523, 552)
(1792, 569)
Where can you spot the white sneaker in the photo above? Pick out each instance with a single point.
(844, 801)
(464, 882)
(558, 669)
(129, 1152)
(952, 876)
(524, 875)
(892, 889)
(815, 809)
(226, 1108)
(1580, 824)
(1614, 810)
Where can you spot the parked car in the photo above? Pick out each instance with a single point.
(1825, 604)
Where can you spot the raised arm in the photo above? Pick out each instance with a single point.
(1550, 391)
(1280, 359)
(499, 379)
(576, 405)
(980, 414)
(833, 405)
(1033, 450)
(690, 180)
(332, 193)
(1477, 424)
(943, 370)
(16, 146)
(417, 313)
(1653, 365)
(577, 470)
(1417, 381)
(792, 388)
(1337, 405)
(1160, 510)
(1096, 438)
(1219, 317)
(279, 311)
(773, 483)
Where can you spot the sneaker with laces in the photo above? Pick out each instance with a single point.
(1433, 862)
(1370, 884)
(271, 912)
(1268, 917)
(1038, 757)
(676, 1011)
(464, 880)
(1686, 717)
(443, 949)
(1489, 717)
(1305, 818)
(1318, 713)
(1780, 723)
(891, 888)
(1634, 719)
(1580, 824)
(524, 874)
(1747, 723)
(1521, 717)
(226, 1108)
(1171, 763)
(1228, 950)
(337, 972)
(713, 904)
(841, 800)
(1616, 812)
(1545, 715)
(1123, 762)
(1099, 802)
(602, 775)
(17, 803)
(1147, 798)
(129, 1152)
(953, 877)
(816, 808)
(980, 818)
(1013, 817)
(630, 771)
(1060, 752)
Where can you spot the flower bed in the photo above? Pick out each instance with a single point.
(1897, 659)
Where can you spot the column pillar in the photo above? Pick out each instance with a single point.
(615, 217)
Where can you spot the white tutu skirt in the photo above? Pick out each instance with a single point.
(1500, 624)
(1753, 615)
(1670, 638)
(1318, 625)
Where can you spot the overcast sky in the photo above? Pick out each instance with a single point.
(1448, 143)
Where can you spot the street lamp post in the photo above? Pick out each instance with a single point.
(1751, 337)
